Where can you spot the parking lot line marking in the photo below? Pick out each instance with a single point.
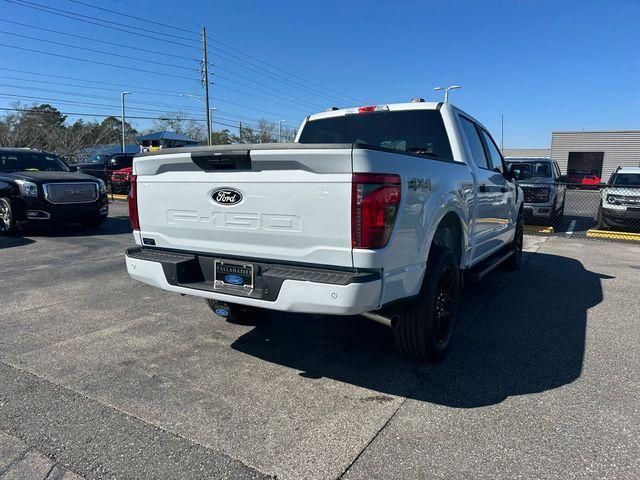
(115, 196)
(572, 225)
(594, 233)
(538, 229)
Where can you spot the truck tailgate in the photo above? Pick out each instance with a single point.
(291, 203)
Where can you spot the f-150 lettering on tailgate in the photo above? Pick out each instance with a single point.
(250, 221)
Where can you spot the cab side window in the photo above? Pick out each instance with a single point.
(494, 154)
(475, 144)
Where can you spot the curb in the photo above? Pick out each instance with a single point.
(118, 197)
(538, 229)
(594, 233)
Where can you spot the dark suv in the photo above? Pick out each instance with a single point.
(103, 165)
(36, 186)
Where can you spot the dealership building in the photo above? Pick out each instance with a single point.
(589, 153)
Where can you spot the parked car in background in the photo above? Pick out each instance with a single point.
(588, 181)
(120, 181)
(372, 209)
(38, 187)
(102, 165)
(542, 184)
(620, 200)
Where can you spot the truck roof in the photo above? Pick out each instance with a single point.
(387, 106)
(628, 170)
(528, 159)
(391, 107)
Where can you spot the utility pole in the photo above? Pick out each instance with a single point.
(124, 139)
(280, 130)
(205, 81)
(240, 130)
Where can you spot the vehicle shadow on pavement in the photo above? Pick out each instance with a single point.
(528, 337)
(111, 226)
(14, 241)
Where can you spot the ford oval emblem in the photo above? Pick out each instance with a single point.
(226, 196)
(233, 279)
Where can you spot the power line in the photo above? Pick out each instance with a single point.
(165, 64)
(95, 62)
(295, 101)
(165, 34)
(134, 117)
(118, 26)
(78, 103)
(133, 87)
(281, 69)
(58, 32)
(98, 97)
(68, 14)
(102, 52)
(243, 118)
(146, 20)
(31, 110)
(213, 40)
(92, 81)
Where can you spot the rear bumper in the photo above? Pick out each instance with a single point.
(277, 287)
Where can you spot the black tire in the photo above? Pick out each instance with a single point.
(557, 215)
(515, 260)
(238, 313)
(423, 329)
(601, 224)
(96, 222)
(7, 220)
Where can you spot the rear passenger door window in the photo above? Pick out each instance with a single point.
(495, 158)
(475, 144)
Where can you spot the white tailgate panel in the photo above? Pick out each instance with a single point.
(285, 215)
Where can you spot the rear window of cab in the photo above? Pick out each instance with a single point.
(419, 132)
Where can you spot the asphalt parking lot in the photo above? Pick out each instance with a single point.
(103, 377)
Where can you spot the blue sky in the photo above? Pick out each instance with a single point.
(545, 65)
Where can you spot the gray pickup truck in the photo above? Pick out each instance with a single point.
(542, 184)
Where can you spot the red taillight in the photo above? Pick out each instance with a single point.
(133, 204)
(375, 200)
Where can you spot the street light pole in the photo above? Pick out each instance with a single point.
(446, 91)
(280, 130)
(122, 95)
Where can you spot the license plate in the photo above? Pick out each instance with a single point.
(233, 274)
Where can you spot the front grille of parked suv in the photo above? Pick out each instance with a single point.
(71, 192)
(535, 194)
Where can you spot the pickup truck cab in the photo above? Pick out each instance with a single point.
(102, 165)
(543, 185)
(372, 209)
(38, 187)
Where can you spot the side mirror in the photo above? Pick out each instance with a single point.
(73, 168)
(509, 174)
(563, 179)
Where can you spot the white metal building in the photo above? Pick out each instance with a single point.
(595, 153)
(526, 152)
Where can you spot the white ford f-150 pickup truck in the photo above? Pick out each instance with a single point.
(376, 210)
